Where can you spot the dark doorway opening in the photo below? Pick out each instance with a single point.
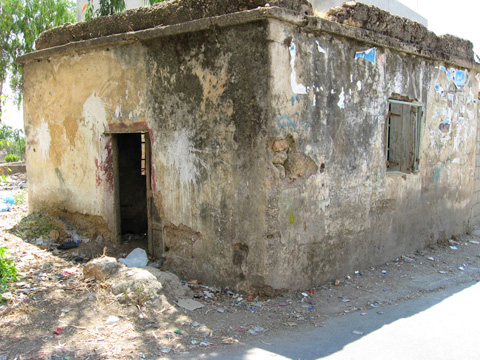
(132, 186)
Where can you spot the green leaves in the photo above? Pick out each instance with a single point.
(8, 271)
(109, 7)
(21, 21)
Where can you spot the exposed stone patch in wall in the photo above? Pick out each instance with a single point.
(380, 21)
(161, 14)
(291, 164)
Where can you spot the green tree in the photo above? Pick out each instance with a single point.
(21, 21)
(12, 140)
(108, 7)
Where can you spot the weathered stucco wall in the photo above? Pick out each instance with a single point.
(69, 153)
(202, 99)
(208, 112)
(267, 131)
(333, 106)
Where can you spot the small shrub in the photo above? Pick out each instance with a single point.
(8, 271)
(11, 158)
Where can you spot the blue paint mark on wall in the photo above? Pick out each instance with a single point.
(459, 77)
(295, 98)
(368, 55)
(436, 174)
(284, 121)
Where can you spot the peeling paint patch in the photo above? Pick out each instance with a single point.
(319, 48)
(341, 101)
(44, 139)
(458, 77)
(182, 156)
(94, 114)
(296, 87)
(368, 55)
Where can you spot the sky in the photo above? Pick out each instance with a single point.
(458, 17)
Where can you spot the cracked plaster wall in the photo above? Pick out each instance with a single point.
(351, 212)
(268, 166)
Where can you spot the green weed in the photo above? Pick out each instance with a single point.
(8, 270)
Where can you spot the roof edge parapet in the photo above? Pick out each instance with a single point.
(374, 19)
(161, 14)
(443, 48)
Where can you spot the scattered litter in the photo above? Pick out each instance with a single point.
(289, 323)
(241, 328)
(189, 304)
(196, 324)
(312, 291)
(137, 258)
(69, 244)
(336, 282)
(453, 248)
(256, 330)
(165, 350)
(443, 272)
(304, 294)
(474, 242)
(178, 332)
(205, 343)
(374, 305)
(461, 268)
(363, 314)
(6, 203)
(356, 332)
(345, 300)
(284, 303)
(263, 342)
(384, 272)
(379, 312)
(58, 331)
(142, 355)
(430, 258)
(112, 320)
(221, 310)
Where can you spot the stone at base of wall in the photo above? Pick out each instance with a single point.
(13, 168)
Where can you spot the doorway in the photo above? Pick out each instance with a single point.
(132, 182)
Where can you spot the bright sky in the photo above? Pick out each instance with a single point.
(458, 17)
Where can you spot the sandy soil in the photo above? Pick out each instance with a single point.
(52, 312)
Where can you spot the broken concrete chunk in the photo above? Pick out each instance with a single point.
(136, 284)
(137, 258)
(101, 268)
(189, 304)
(172, 286)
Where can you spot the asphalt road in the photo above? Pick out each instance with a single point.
(439, 325)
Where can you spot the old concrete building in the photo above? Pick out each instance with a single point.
(259, 146)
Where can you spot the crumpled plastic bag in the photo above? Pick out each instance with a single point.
(6, 203)
(137, 258)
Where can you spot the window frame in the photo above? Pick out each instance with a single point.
(417, 134)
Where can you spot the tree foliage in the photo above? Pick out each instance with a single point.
(21, 21)
(108, 7)
(12, 140)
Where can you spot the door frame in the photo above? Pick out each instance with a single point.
(116, 186)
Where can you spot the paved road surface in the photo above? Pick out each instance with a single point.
(439, 325)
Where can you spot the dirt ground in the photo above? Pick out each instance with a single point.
(52, 312)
